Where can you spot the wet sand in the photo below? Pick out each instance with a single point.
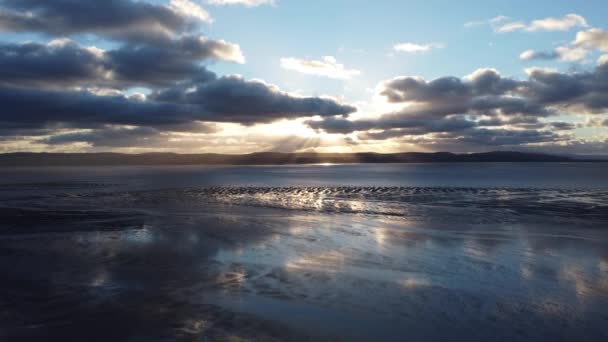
(98, 262)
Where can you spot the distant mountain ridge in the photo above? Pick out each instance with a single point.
(267, 158)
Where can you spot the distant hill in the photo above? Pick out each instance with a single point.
(266, 158)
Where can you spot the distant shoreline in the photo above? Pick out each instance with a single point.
(271, 158)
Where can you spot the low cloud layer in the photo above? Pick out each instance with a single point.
(482, 109)
(224, 99)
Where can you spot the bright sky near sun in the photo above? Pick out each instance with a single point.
(238, 76)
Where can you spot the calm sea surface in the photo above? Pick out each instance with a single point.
(416, 252)
(538, 175)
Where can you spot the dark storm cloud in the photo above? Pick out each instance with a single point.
(121, 19)
(63, 63)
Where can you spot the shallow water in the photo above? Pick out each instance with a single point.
(392, 252)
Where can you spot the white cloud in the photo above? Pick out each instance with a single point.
(510, 27)
(227, 51)
(502, 24)
(190, 9)
(577, 50)
(499, 19)
(564, 53)
(494, 21)
(412, 47)
(571, 54)
(530, 71)
(328, 67)
(602, 60)
(558, 24)
(528, 55)
(248, 3)
(592, 39)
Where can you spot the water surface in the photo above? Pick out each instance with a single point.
(414, 252)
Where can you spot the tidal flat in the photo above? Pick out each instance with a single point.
(343, 252)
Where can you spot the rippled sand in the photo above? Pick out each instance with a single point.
(97, 262)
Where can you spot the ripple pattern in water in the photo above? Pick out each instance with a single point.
(486, 204)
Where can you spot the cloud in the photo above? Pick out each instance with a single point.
(59, 63)
(64, 63)
(494, 21)
(592, 39)
(248, 3)
(413, 48)
(177, 60)
(188, 8)
(532, 55)
(578, 50)
(562, 126)
(117, 19)
(504, 24)
(120, 136)
(107, 137)
(564, 23)
(481, 109)
(483, 139)
(446, 90)
(83, 109)
(63, 93)
(233, 99)
(564, 53)
(328, 67)
(211, 99)
(571, 54)
(510, 27)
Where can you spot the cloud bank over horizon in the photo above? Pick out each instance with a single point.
(135, 76)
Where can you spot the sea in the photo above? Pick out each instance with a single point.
(357, 252)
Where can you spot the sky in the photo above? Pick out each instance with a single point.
(241, 76)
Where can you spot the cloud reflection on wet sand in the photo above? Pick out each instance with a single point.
(203, 268)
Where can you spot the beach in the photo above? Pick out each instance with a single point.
(323, 252)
